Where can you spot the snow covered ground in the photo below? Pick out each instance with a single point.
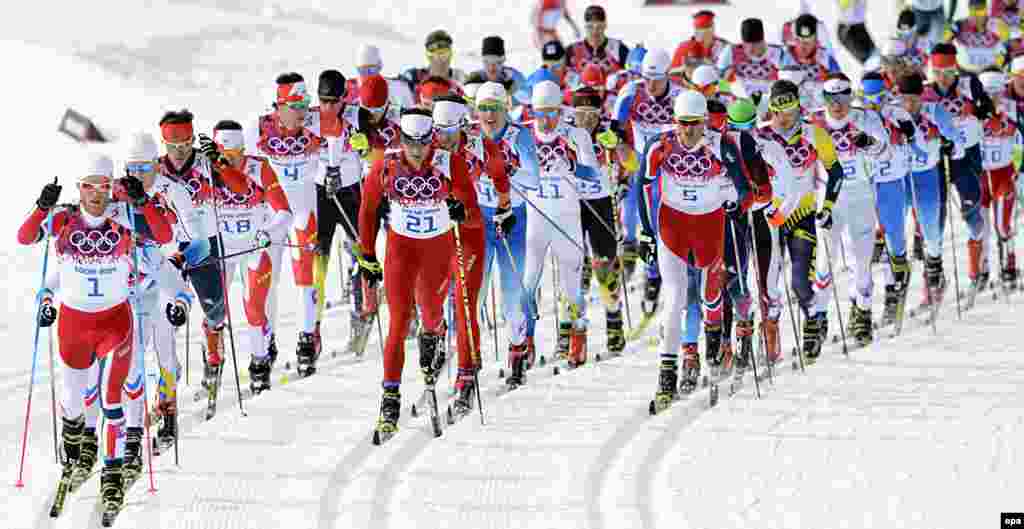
(922, 431)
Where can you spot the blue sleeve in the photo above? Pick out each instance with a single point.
(945, 122)
(529, 166)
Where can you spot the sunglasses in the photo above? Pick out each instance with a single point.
(549, 114)
(492, 60)
(439, 54)
(366, 71)
(837, 99)
(689, 122)
(490, 107)
(140, 168)
(102, 188)
(329, 101)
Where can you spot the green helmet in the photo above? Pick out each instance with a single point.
(742, 113)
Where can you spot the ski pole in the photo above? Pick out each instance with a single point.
(53, 398)
(140, 341)
(789, 302)
(835, 292)
(227, 310)
(35, 347)
(952, 235)
(550, 221)
(474, 354)
(762, 294)
(743, 291)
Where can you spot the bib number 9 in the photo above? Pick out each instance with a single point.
(420, 223)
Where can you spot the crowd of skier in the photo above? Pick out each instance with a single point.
(694, 169)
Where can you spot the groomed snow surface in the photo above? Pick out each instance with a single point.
(920, 431)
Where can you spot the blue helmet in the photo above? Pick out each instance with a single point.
(636, 58)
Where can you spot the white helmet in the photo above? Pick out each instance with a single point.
(491, 91)
(369, 55)
(704, 75)
(546, 94)
(655, 64)
(139, 146)
(447, 113)
(994, 82)
(690, 104)
(98, 164)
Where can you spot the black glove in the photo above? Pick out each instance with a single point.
(136, 193)
(505, 220)
(370, 269)
(332, 179)
(209, 149)
(908, 129)
(456, 210)
(47, 314)
(947, 147)
(862, 140)
(176, 314)
(48, 198)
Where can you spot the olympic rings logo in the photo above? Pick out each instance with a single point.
(288, 145)
(690, 164)
(652, 113)
(799, 156)
(95, 241)
(417, 187)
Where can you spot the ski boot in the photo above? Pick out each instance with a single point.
(564, 337)
(259, 375)
(691, 369)
(630, 256)
(773, 346)
(111, 491)
(713, 346)
(862, 329)
(815, 331)
(132, 466)
(578, 345)
(88, 449)
(652, 291)
(517, 361)
(463, 403)
(432, 357)
(616, 337)
(893, 296)
(667, 392)
(390, 411)
(306, 354)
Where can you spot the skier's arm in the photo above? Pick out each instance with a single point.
(372, 199)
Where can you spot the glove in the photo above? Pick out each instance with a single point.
(504, 220)
(908, 129)
(360, 143)
(48, 198)
(136, 193)
(47, 312)
(176, 313)
(824, 216)
(456, 210)
(332, 179)
(209, 149)
(261, 239)
(608, 139)
(370, 269)
(863, 141)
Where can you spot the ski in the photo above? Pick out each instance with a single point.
(63, 489)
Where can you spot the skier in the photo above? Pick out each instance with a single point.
(369, 62)
(339, 183)
(438, 45)
(1001, 145)
(492, 54)
(889, 177)
(644, 107)
(793, 149)
(936, 133)
(700, 183)
(567, 164)
(425, 191)
(598, 209)
(506, 240)
(816, 61)
(483, 157)
(860, 142)
(198, 247)
(293, 151)
(544, 18)
(704, 47)
(963, 96)
(753, 63)
(597, 48)
(980, 39)
(247, 221)
(94, 248)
